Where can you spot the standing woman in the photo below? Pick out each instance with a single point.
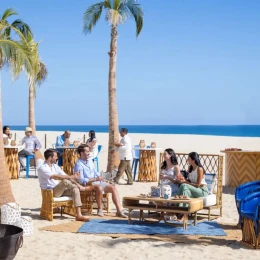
(195, 186)
(92, 144)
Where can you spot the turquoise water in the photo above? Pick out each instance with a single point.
(225, 130)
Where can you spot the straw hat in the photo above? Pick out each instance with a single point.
(28, 129)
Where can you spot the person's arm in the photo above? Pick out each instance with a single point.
(200, 173)
(93, 143)
(37, 143)
(59, 141)
(126, 145)
(23, 141)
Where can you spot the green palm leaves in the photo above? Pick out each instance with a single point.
(117, 12)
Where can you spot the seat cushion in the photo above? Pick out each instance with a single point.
(64, 198)
(210, 180)
(210, 200)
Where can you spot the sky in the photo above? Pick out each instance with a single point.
(195, 62)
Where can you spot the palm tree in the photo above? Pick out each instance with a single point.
(36, 77)
(117, 12)
(16, 55)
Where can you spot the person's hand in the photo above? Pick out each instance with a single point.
(76, 176)
(182, 181)
(163, 177)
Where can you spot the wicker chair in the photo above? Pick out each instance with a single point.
(250, 214)
(88, 199)
(49, 203)
(212, 163)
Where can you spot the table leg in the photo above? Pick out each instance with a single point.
(195, 218)
(185, 221)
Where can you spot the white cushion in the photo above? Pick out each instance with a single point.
(64, 198)
(210, 200)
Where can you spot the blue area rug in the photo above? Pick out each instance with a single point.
(108, 226)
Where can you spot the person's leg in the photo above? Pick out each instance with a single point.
(191, 191)
(128, 171)
(99, 196)
(67, 188)
(21, 155)
(115, 198)
(120, 171)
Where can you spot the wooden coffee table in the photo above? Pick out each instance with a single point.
(140, 203)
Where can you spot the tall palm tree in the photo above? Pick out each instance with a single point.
(36, 77)
(117, 12)
(16, 55)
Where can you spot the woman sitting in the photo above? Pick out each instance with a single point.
(170, 171)
(195, 186)
(92, 144)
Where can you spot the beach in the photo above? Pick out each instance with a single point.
(65, 245)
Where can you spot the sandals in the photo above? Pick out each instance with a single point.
(82, 218)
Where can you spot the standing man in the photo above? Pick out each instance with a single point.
(124, 148)
(32, 144)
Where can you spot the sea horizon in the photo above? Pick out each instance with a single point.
(217, 130)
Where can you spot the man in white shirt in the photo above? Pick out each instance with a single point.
(49, 175)
(31, 144)
(124, 148)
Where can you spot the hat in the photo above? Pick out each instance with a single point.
(28, 129)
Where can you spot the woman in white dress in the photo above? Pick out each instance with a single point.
(170, 170)
(92, 144)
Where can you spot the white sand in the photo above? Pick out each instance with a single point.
(54, 245)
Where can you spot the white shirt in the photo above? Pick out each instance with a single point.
(125, 151)
(45, 172)
(170, 173)
(31, 143)
(94, 149)
(193, 177)
(9, 140)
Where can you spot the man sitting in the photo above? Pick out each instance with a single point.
(90, 176)
(49, 173)
(31, 145)
(62, 140)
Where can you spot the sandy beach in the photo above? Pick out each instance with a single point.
(60, 245)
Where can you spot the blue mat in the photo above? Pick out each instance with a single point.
(108, 226)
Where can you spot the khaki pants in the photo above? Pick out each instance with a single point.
(124, 166)
(67, 188)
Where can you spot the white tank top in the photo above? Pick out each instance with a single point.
(193, 177)
(169, 172)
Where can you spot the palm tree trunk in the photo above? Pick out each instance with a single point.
(113, 115)
(6, 194)
(31, 108)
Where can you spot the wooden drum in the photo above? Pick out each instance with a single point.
(70, 157)
(147, 166)
(11, 159)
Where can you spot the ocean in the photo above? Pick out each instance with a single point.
(219, 130)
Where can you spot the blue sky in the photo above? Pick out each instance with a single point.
(195, 62)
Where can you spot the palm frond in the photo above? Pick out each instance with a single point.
(24, 28)
(132, 8)
(91, 16)
(107, 4)
(116, 4)
(7, 13)
(42, 73)
(17, 55)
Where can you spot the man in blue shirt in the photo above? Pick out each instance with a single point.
(90, 176)
(60, 141)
